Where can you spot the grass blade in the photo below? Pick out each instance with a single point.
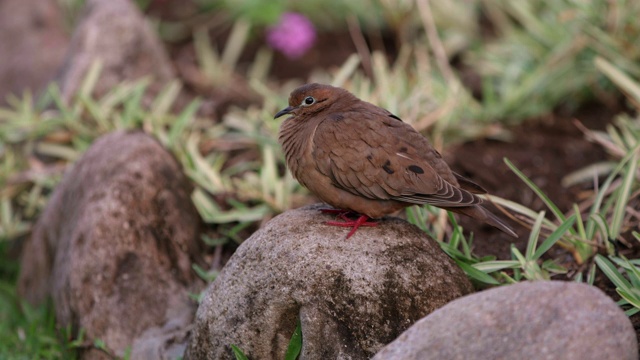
(595, 208)
(612, 273)
(238, 353)
(622, 80)
(179, 126)
(630, 297)
(476, 274)
(623, 197)
(497, 265)
(533, 236)
(554, 237)
(554, 209)
(295, 344)
(90, 79)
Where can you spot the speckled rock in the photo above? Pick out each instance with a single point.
(352, 296)
(530, 320)
(114, 249)
(115, 33)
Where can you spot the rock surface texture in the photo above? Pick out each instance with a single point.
(352, 296)
(531, 320)
(115, 33)
(114, 248)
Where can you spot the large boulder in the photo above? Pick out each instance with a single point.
(530, 320)
(115, 245)
(351, 296)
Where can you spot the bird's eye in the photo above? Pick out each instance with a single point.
(309, 100)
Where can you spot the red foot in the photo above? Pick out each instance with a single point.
(353, 224)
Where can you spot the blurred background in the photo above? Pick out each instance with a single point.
(552, 86)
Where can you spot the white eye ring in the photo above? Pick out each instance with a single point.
(309, 100)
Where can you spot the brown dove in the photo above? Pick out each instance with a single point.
(360, 158)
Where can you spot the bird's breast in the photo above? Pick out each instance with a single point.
(296, 139)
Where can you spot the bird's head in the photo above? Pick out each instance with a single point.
(312, 98)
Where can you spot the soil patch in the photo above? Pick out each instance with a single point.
(545, 150)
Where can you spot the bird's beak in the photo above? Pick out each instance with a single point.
(284, 111)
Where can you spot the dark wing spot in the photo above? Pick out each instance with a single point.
(337, 117)
(438, 156)
(404, 149)
(387, 167)
(395, 117)
(369, 157)
(416, 169)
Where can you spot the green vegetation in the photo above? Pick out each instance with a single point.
(536, 56)
(27, 332)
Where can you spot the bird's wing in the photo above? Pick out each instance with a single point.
(377, 156)
(469, 185)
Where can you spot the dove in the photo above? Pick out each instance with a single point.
(363, 160)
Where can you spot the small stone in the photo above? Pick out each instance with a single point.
(352, 296)
(529, 320)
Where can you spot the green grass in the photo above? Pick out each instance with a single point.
(629, 289)
(543, 54)
(28, 332)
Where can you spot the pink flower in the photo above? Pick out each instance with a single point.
(293, 35)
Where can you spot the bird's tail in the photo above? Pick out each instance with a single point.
(480, 213)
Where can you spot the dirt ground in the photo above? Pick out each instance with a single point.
(545, 150)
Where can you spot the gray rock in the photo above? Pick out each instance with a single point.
(530, 320)
(114, 247)
(33, 43)
(352, 296)
(117, 34)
